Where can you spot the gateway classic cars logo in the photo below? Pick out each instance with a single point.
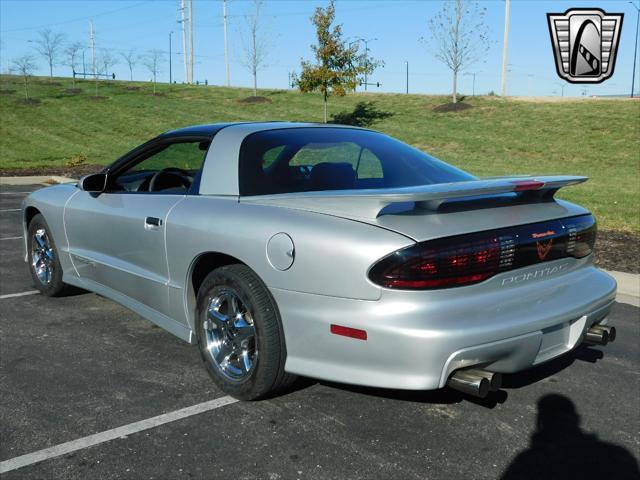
(585, 43)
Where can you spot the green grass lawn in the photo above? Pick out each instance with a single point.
(596, 138)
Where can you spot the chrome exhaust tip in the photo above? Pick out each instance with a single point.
(469, 382)
(495, 378)
(597, 336)
(611, 331)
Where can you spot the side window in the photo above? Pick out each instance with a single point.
(369, 165)
(171, 169)
(314, 153)
(363, 161)
(270, 156)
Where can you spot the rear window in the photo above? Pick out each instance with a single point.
(319, 159)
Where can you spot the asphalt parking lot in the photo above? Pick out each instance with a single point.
(82, 365)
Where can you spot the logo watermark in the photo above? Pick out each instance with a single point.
(585, 43)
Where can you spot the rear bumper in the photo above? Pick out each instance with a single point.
(415, 340)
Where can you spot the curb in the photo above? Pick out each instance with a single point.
(36, 180)
(628, 287)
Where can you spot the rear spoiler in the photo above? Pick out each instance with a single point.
(368, 204)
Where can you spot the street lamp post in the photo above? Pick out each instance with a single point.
(529, 88)
(366, 54)
(635, 51)
(473, 88)
(170, 33)
(561, 85)
(407, 75)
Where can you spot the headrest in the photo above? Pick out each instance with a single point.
(332, 176)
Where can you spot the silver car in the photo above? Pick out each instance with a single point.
(337, 253)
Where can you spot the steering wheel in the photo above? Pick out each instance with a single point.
(170, 175)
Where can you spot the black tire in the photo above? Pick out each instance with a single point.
(267, 375)
(54, 287)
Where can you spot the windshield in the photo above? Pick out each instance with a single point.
(318, 159)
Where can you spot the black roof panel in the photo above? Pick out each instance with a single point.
(207, 129)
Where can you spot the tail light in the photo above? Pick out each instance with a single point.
(468, 259)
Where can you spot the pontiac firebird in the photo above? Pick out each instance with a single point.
(337, 253)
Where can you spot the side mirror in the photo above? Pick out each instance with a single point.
(95, 183)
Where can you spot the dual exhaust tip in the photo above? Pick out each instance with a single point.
(475, 382)
(600, 335)
(478, 382)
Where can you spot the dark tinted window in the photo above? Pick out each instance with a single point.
(174, 166)
(317, 159)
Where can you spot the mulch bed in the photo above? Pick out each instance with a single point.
(618, 251)
(5, 91)
(255, 100)
(131, 89)
(452, 107)
(29, 102)
(98, 98)
(73, 91)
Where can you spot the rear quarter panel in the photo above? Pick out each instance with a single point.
(332, 255)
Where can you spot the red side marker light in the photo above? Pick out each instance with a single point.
(522, 185)
(349, 332)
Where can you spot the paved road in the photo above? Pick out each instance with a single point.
(76, 366)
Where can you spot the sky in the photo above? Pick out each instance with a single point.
(394, 27)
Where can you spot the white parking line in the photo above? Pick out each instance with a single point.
(11, 238)
(108, 435)
(21, 294)
(15, 193)
(10, 210)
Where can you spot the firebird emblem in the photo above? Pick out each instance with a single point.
(544, 249)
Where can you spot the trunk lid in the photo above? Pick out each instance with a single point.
(441, 210)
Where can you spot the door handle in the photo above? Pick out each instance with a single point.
(153, 221)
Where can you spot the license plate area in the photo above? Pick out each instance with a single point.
(560, 338)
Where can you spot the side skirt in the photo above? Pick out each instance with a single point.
(170, 325)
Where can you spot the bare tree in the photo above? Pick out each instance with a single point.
(256, 45)
(152, 61)
(49, 45)
(130, 58)
(25, 66)
(459, 36)
(106, 62)
(71, 53)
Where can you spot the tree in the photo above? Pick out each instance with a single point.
(459, 36)
(25, 66)
(256, 47)
(130, 58)
(152, 62)
(106, 62)
(49, 45)
(338, 66)
(71, 53)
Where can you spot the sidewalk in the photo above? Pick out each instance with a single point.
(628, 287)
(35, 180)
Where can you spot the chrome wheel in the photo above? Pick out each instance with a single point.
(42, 257)
(230, 335)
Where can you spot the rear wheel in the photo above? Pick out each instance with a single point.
(240, 335)
(44, 263)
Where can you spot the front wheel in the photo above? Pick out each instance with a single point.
(44, 263)
(240, 335)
